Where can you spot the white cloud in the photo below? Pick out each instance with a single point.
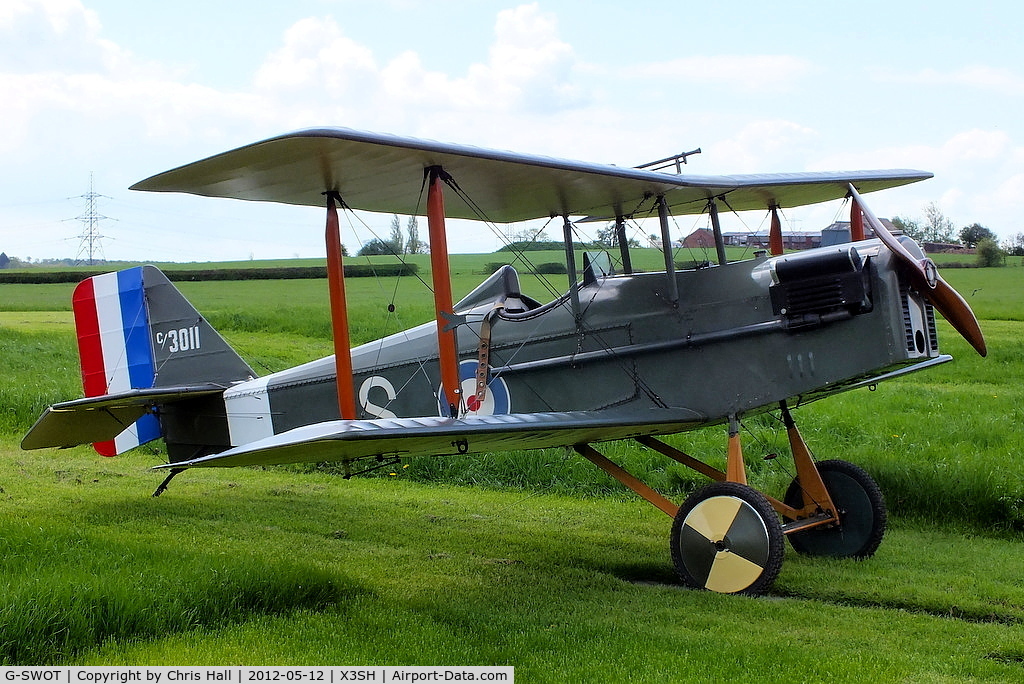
(67, 88)
(528, 61)
(1001, 80)
(76, 101)
(971, 148)
(987, 162)
(976, 145)
(61, 15)
(765, 145)
(749, 73)
(1010, 193)
(98, 111)
(528, 68)
(54, 35)
(316, 55)
(87, 100)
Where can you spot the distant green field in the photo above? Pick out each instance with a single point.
(993, 293)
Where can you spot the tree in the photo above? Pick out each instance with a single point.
(909, 227)
(971, 235)
(607, 236)
(413, 245)
(1015, 245)
(989, 254)
(937, 227)
(530, 235)
(396, 241)
(375, 247)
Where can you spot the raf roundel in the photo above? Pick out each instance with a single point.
(497, 399)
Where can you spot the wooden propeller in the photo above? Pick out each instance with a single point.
(926, 280)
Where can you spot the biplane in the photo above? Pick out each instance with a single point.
(619, 355)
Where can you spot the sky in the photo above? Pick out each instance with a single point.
(114, 91)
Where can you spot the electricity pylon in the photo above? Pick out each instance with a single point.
(90, 246)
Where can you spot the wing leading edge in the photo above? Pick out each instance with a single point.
(384, 173)
(348, 440)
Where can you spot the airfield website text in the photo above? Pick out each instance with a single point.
(252, 675)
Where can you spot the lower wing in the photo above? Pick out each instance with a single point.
(349, 440)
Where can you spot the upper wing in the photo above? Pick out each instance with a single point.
(348, 440)
(384, 173)
(763, 190)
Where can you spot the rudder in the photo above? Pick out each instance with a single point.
(137, 331)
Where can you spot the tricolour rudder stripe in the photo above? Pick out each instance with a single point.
(131, 295)
(114, 347)
(141, 367)
(87, 326)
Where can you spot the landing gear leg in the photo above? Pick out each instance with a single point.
(839, 490)
(859, 505)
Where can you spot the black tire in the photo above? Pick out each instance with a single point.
(727, 538)
(862, 514)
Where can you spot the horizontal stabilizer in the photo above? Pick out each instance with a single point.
(347, 440)
(102, 418)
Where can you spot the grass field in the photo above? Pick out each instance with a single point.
(533, 560)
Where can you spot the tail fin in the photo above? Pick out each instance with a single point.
(137, 331)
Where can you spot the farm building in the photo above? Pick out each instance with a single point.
(839, 232)
(835, 234)
(790, 240)
(703, 238)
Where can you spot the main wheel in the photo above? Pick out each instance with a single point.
(862, 514)
(727, 538)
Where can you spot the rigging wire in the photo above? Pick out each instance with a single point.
(519, 254)
(628, 367)
(590, 333)
(575, 231)
(746, 247)
(627, 218)
(841, 209)
(392, 310)
(704, 218)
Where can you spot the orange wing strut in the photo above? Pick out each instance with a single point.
(775, 247)
(339, 314)
(856, 222)
(735, 468)
(446, 344)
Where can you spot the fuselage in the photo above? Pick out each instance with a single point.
(740, 337)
